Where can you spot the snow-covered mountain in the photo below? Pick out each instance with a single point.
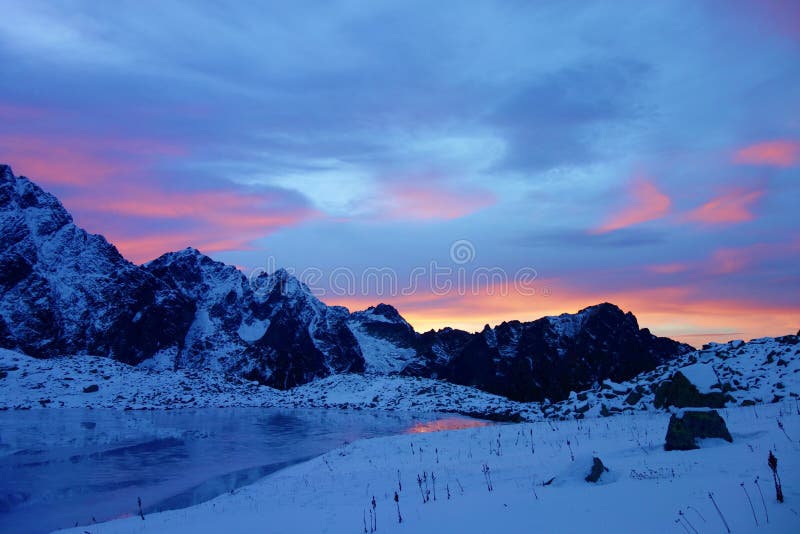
(273, 330)
(65, 291)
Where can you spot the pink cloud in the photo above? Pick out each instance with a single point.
(432, 201)
(80, 160)
(668, 268)
(648, 203)
(732, 207)
(219, 220)
(730, 260)
(777, 153)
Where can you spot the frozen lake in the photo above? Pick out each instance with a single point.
(68, 466)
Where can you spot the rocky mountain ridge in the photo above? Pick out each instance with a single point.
(65, 291)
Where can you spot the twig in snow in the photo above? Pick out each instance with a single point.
(421, 491)
(780, 425)
(374, 516)
(763, 502)
(772, 461)
(711, 496)
(141, 513)
(678, 520)
(399, 483)
(686, 519)
(695, 510)
(749, 501)
(397, 503)
(487, 475)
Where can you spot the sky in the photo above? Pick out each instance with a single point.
(540, 156)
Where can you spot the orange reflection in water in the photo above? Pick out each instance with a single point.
(450, 423)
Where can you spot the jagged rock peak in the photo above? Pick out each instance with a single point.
(387, 311)
(43, 212)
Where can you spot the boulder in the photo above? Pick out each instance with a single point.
(91, 389)
(597, 470)
(685, 429)
(678, 391)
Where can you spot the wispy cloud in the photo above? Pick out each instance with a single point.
(732, 207)
(150, 222)
(646, 202)
(420, 201)
(777, 153)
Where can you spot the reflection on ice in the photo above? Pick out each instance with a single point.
(68, 466)
(449, 423)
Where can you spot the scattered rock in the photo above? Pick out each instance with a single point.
(684, 429)
(91, 389)
(633, 398)
(597, 470)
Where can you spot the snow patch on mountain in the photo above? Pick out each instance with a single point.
(381, 356)
(253, 330)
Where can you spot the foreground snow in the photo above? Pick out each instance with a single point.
(645, 490)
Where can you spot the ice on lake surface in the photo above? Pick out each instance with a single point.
(59, 467)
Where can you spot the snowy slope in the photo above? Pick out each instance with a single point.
(645, 490)
(30, 383)
(387, 341)
(761, 371)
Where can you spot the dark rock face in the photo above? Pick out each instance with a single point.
(681, 393)
(273, 330)
(64, 291)
(549, 357)
(684, 431)
(597, 470)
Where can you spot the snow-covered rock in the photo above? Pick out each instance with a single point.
(65, 291)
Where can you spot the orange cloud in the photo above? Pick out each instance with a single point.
(732, 207)
(432, 201)
(649, 203)
(686, 311)
(778, 153)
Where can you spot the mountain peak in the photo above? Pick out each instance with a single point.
(6, 174)
(603, 307)
(386, 310)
